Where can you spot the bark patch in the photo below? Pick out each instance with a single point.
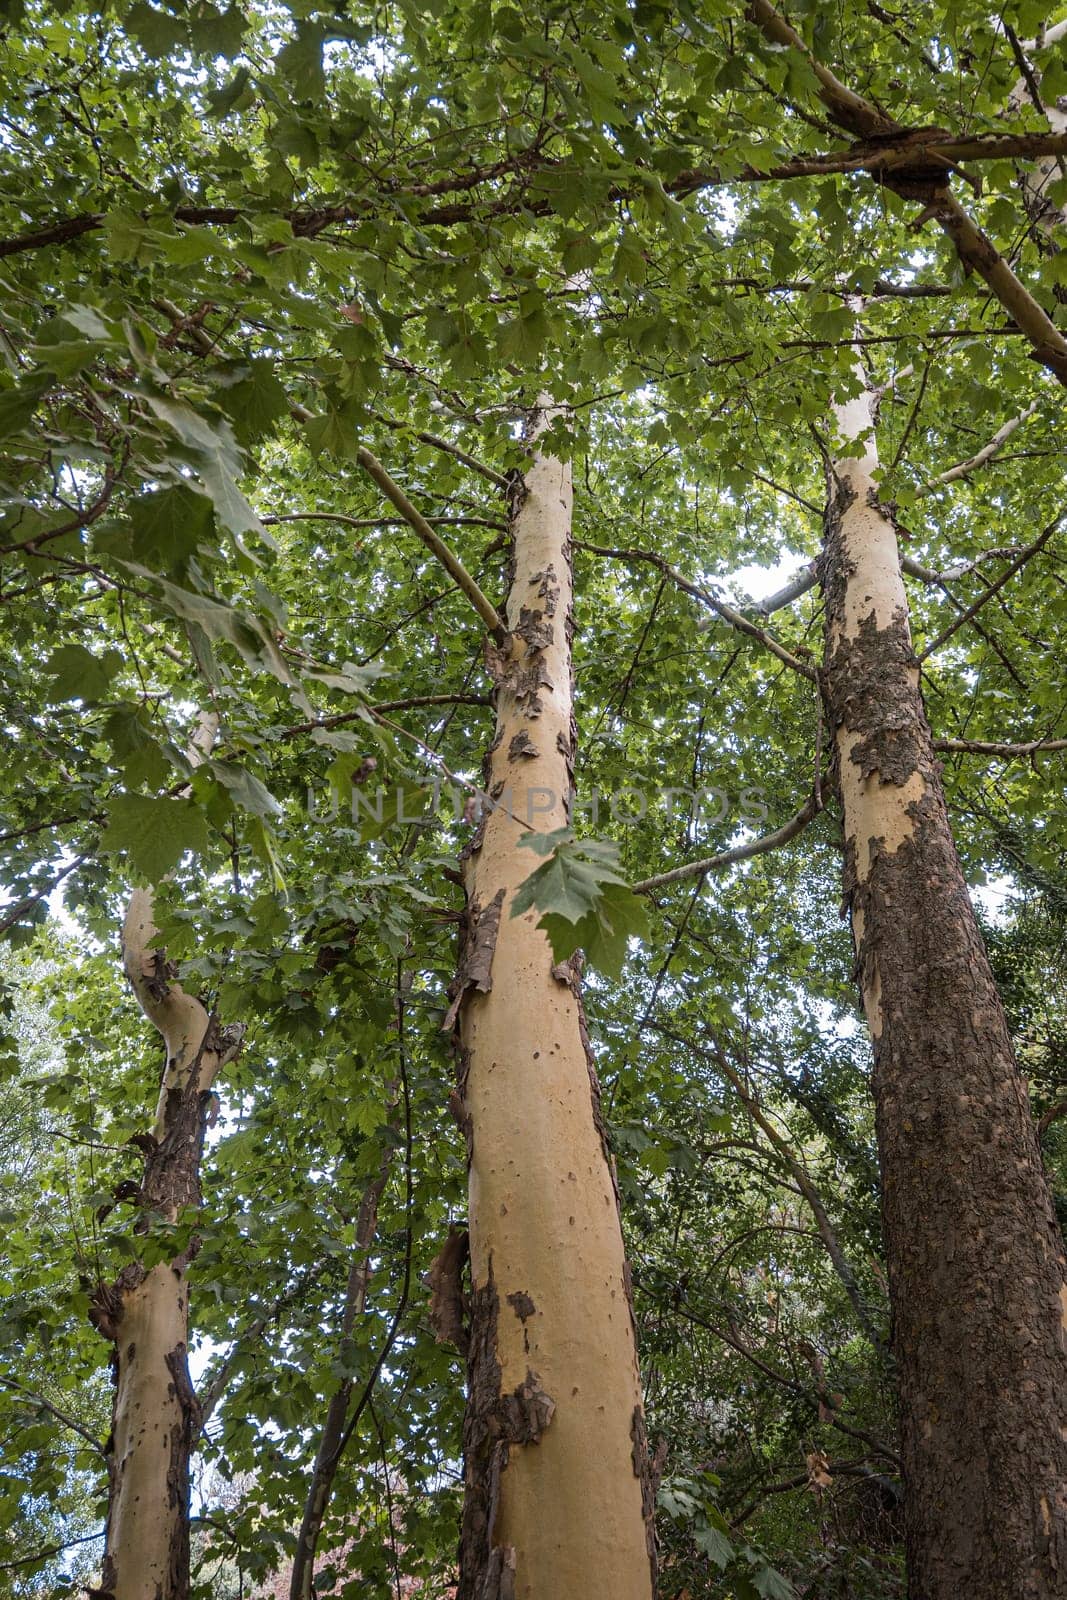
(549, 589)
(535, 628)
(492, 1424)
(448, 1305)
(182, 1436)
(871, 693)
(521, 745)
(525, 682)
(461, 1116)
(974, 1252)
(522, 1304)
(644, 1474)
(482, 924)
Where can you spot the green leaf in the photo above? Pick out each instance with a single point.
(584, 901)
(167, 526)
(218, 621)
(223, 100)
(216, 454)
(18, 405)
(246, 790)
(261, 841)
(351, 678)
(158, 33)
(291, 136)
(154, 833)
(771, 1585)
(255, 402)
(79, 675)
(300, 61)
(713, 1542)
(142, 759)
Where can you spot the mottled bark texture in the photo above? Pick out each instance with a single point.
(975, 1257)
(557, 1499)
(145, 1313)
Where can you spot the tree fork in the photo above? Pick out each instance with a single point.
(558, 1493)
(975, 1257)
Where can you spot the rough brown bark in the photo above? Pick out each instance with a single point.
(975, 1257)
(557, 1492)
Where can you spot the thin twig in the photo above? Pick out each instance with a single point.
(721, 607)
(42, 1404)
(1009, 572)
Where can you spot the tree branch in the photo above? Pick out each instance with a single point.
(979, 253)
(414, 703)
(214, 1391)
(994, 588)
(921, 171)
(962, 469)
(993, 747)
(876, 158)
(720, 607)
(42, 1404)
(49, 1550)
(437, 547)
(742, 852)
(378, 522)
(717, 1055)
(451, 449)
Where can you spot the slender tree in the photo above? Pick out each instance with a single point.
(145, 1311)
(332, 1438)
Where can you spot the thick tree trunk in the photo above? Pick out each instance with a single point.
(558, 1494)
(976, 1263)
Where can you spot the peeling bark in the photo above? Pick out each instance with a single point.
(448, 1305)
(556, 1500)
(977, 1275)
(145, 1314)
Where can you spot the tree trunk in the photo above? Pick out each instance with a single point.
(975, 1257)
(557, 1493)
(145, 1313)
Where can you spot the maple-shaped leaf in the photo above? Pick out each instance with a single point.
(584, 901)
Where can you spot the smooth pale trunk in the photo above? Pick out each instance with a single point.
(557, 1487)
(975, 1256)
